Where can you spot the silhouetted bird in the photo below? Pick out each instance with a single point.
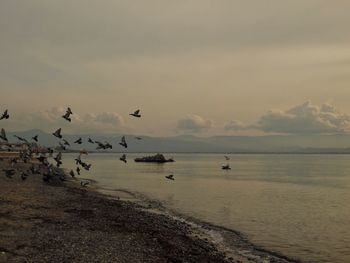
(9, 172)
(24, 176)
(79, 141)
(58, 133)
(35, 138)
(227, 158)
(58, 159)
(108, 145)
(123, 158)
(78, 170)
(123, 142)
(66, 116)
(170, 177)
(65, 142)
(138, 138)
(136, 114)
(63, 148)
(90, 141)
(3, 135)
(5, 115)
(226, 167)
(21, 138)
(100, 145)
(78, 160)
(86, 166)
(71, 173)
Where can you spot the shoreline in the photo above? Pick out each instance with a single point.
(63, 222)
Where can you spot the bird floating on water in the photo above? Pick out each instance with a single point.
(5, 115)
(136, 114)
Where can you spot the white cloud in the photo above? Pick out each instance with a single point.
(194, 123)
(305, 118)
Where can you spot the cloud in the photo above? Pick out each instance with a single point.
(49, 120)
(194, 123)
(305, 118)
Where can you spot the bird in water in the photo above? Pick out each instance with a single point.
(123, 142)
(3, 135)
(9, 172)
(66, 116)
(136, 114)
(58, 159)
(5, 115)
(78, 170)
(90, 141)
(170, 177)
(21, 138)
(35, 138)
(123, 158)
(58, 133)
(79, 141)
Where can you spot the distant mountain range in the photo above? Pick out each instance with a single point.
(337, 143)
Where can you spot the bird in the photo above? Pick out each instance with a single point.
(78, 160)
(86, 166)
(58, 133)
(9, 172)
(108, 145)
(35, 138)
(65, 142)
(226, 167)
(21, 138)
(90, 141)
(170, 177)
(84, 183)
(138, 138)
(62, 146)
(58, 159)
(5, 115)
(24, 176)
(78, 170)
(100, 145)
(227, 158)
(136, 114)
(123, 142)
(123, 158)
(79, 141)
(3, 135)
(71, 173)
(66, 116)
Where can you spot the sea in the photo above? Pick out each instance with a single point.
(295, 204)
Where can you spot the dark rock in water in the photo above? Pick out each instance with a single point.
(158, 158)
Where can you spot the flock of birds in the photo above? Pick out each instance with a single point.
(48, 170)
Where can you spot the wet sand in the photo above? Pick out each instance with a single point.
(63, 222)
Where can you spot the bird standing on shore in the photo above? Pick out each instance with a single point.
(123, 158)
(58, 133)
(66, 116)
(136, 114)
(3, 135)
(123, 142)
(5, 115)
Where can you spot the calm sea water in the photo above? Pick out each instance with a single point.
(296, 204)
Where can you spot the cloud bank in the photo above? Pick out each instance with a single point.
(193, 124)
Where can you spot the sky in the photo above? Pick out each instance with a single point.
(202, 67)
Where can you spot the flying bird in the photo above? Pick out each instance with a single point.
(170, 177)
(79, 141)
(35, 138)
(5, 115)
(71, 173)
(65, 142)
(227, 158)
(86, 166)
(58, 159)
(78, 170)
(90, 141)
(84, 183)
(138, 138)
(108, 145)
(123, 158)
(136, 114)
(21, 138)
(3, 135)
(123, 142)
(66, 116)
(62, 146)
(58, 133)
(24, 176)
(100, 145)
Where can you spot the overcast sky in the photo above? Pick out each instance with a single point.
(203, 67)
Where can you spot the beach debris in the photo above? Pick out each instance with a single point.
(170, 177)
(66, 116)
(79, 141)
(9, 172)
(58, 133)
(123, 142)
(35, 138)
(123, 158)
(5, 115)
(3, 135)
(136, 114)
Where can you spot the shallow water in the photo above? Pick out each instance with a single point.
(295, 204)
